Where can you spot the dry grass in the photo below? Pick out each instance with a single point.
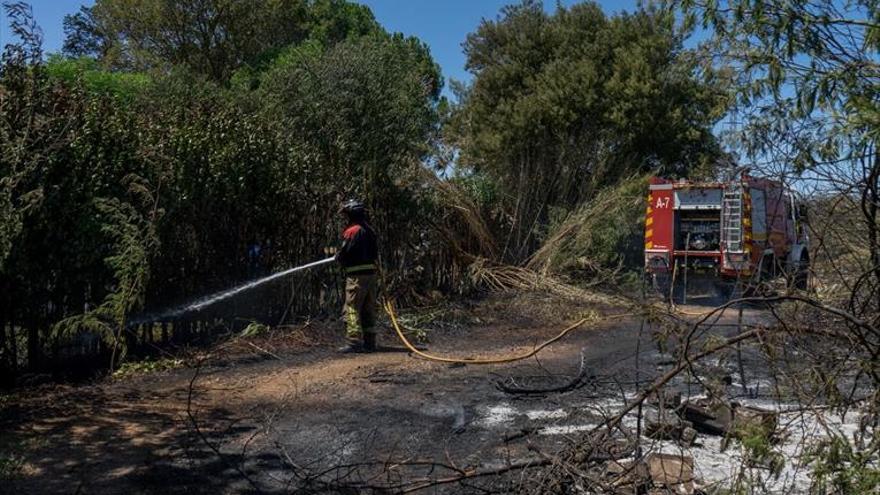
(588, 243)
(839, 247)
(481, 241)
(600, 237)
(505, 278)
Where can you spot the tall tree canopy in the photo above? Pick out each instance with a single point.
(212, 37)
(564, 103)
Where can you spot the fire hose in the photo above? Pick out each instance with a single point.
(389, 308)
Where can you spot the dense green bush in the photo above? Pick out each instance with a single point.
(127, 192)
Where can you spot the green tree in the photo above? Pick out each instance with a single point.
(807, 73)
(69, 160)
(564, 104)
(366, 106)
(358, 118)
(212, 37)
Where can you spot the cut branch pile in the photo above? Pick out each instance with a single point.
(599, 237)
(505, 278)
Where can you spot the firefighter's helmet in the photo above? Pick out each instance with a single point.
(353, 208)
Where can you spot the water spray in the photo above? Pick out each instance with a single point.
(206, 301)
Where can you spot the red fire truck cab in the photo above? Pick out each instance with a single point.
(736, 230)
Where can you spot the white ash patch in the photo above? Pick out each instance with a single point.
(541, 414)
(497, 415)
(755, 385)
(564, 429)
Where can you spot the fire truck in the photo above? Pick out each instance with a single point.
(743, 230)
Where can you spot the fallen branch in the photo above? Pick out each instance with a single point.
(264, 351)
(578, 381)
(525, 464)
(683, 365)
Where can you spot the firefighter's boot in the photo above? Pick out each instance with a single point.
(352, 347)
(370, 342)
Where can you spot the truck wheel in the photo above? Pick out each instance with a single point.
(660, 282)
(724, 290)
(799, 278)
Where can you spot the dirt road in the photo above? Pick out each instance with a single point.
(285, 410)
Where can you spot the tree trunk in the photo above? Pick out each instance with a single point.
(147, 334)
(14, 344)
(34, 349)
(869, 206)
(4, 346)
(6, 365)
(875, 198)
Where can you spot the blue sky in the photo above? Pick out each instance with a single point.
(443, 24)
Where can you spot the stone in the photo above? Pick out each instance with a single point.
(688, 436)
(717, 417)
(750, 420)
(712, 417)
(665, 424)
(663, 399)
(673, 472)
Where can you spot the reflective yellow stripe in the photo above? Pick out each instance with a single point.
(358, 268)
(352, 323)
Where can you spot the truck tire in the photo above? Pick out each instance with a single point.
(660, 282)
(725, 290)
(799, 274)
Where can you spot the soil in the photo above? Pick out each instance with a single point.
(284, 410)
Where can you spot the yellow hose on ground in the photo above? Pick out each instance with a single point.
(676, 309)
(389, 308)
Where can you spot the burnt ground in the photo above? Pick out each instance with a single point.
(283, 410)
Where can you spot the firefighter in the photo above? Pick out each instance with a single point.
(358, 256)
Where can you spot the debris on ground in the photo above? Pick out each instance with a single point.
(671, 472)
(719, 417)
(710, 416)
(665, 424)
(754, 420)
(653, 474)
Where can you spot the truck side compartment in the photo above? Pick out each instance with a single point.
(735, 229)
